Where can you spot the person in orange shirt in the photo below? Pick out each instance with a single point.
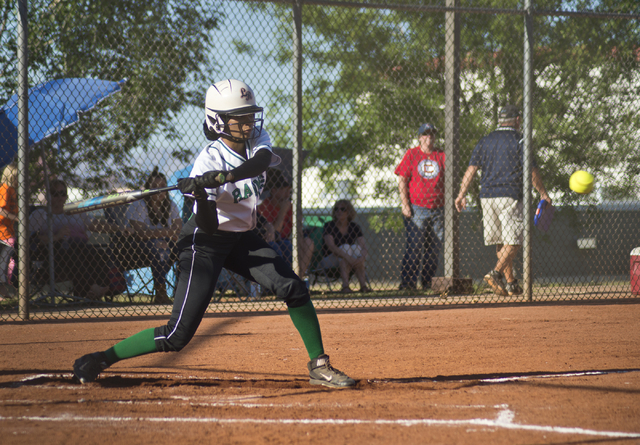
(8, 214)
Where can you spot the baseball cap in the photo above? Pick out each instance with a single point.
(427, 128)
(509, 112)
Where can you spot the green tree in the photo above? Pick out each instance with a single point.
(372, 76)
(162, 47)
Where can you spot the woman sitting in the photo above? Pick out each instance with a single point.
(345, 246)
(156, 223)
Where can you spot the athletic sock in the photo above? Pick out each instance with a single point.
(138, 344)
(305, 320)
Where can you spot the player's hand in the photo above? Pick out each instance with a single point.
(187, 186)
(192, 186)
(212, 179)
(406, 211)
(461, 203)
(200, 194)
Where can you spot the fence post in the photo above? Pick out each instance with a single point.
(296, 235)
(452, 142)
(22, 163)
(527, 151)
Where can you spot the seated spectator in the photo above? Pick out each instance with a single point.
(276, 210)
(89, 269)
(8, 215)
(345, 246)
(156, 223)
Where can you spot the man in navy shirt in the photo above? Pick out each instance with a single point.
(499, 156)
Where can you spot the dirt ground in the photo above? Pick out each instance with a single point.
(528, 374)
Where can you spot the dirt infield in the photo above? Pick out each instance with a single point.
(503, 375)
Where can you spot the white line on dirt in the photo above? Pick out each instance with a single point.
(504, 420)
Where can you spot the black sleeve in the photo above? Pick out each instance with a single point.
(253, 167)
(356, 232)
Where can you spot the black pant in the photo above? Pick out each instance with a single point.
(201, 259)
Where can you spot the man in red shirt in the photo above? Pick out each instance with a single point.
(421, 185)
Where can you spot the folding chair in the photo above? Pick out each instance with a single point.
(135, 267)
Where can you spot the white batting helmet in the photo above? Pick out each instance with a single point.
(229, 98)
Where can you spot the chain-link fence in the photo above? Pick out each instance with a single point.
(389, 118)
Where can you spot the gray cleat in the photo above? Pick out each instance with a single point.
(322, 373)
(88, 367)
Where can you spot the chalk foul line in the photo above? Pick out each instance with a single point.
(503, 420)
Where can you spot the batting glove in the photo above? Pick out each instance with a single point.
(211, 179)
(187, 185)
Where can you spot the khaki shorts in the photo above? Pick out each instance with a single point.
(502, 221)
(331, 261)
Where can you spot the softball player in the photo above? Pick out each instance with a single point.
(227, 178)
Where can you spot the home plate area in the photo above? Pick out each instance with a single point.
(500, 375)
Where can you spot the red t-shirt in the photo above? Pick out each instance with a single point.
(269, 210)
(425, 173)
(9, 202)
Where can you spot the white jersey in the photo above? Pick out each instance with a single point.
(236, 202)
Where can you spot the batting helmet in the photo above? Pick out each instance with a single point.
(229, 98)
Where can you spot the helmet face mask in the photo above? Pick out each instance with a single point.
(232, 100)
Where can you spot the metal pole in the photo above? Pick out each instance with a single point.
(452, 142)
(22, 162)
(296, 235)
(527, 151)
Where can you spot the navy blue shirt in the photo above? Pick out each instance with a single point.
(499, 156)
(351, 237)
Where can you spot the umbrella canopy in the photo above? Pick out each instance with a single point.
(52, 106)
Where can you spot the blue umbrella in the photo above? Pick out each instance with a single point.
(53, 106)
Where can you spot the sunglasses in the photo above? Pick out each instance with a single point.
(339, 209)
(58, 194)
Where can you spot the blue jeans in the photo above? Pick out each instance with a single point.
(425, 231)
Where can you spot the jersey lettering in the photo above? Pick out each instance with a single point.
(258, 185)
(247, 192)
(238, 196)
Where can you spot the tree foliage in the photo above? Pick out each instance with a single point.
(161, 47)
(372, 76)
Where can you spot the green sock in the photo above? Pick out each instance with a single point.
(305, 320)
(138, 344)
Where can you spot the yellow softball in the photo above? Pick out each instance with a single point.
(581, 182)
